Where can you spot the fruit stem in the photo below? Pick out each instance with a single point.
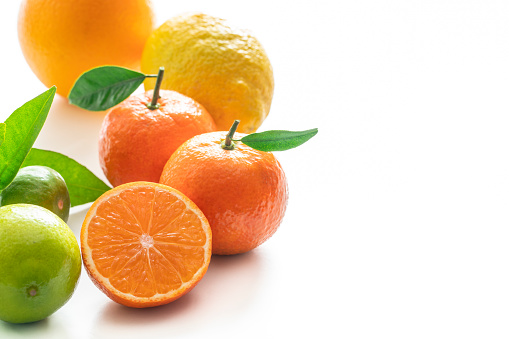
(228, 142)
(155, 95)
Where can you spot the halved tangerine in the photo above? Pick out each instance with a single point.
(145, 244)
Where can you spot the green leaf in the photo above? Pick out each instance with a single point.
(104, 87)
(83, 185)
(277, 140)
(21, 130)
(2, 133)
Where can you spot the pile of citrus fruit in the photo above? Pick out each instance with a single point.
(186, 186)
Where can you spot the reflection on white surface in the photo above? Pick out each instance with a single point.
(227, 289)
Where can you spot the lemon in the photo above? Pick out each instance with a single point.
(40, 263)
(38, 185)
(222, 67)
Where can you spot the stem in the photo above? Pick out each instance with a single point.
(155, 95)
(228, 142)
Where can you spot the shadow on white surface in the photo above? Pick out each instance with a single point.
(45, 328)
(116, 314)
(38, 326)
(229, 286)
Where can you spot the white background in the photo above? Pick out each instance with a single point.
(397, 224)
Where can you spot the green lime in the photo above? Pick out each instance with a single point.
(38, 185)
(40, 263)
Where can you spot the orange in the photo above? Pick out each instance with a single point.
(62, 39)
(242, 192)
(224, 68)
(135, 142)
(145, 244)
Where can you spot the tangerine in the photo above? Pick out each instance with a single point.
(135, 141)
(243, 192)
(145, 244)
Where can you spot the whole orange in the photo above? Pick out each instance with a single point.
(243, 192)
(135, 142)
(62, 39)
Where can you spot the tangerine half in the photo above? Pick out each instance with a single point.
(145, 244)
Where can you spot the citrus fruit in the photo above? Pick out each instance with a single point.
(243, 192)
(62, 39)
(38, 185)
(40, 263)
(222, 67)
(135, 142)
(145, 244)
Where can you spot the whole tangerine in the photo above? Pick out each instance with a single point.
(136, 141)
(243, 192)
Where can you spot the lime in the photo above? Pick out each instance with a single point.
(38, 185)
(40, 263)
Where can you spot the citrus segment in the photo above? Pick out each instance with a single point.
(145, 244)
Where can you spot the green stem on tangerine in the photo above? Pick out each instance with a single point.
(228, 142)
(155, 95)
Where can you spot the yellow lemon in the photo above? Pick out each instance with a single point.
(224, 68)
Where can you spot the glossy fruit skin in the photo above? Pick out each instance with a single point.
(38, 185)
(39, 254)
(62, 39)
(242, 192)
(135, 142)
(222, 67)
